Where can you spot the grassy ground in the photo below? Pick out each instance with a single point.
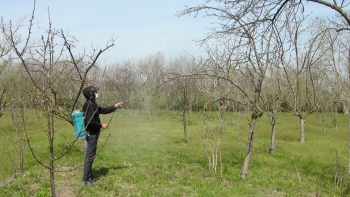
(148, 157)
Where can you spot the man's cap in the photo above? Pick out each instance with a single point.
(88, 90)
(94, 89)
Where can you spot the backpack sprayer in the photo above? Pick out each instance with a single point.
(79, 125)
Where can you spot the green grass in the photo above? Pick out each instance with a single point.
(148, 157)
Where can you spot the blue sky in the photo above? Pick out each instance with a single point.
(142, 28)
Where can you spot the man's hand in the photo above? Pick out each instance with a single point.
(120, 104)
(104, 126)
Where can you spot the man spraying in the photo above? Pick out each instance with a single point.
(93, 129)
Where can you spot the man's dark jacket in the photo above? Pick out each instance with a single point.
(92, 111)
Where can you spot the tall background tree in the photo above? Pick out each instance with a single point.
(251, 28)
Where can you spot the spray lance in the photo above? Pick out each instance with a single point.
(114, 114)
(110, 120)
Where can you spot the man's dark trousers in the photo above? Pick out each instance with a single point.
(90, 156)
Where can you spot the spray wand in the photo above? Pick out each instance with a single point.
(114, 114)
(129, 100)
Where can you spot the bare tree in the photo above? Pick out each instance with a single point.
(123, 82)
(251, 16)
(337, 63)
(275, 93)
(304, 70)
(181, 85)
(247, 56)
(51, 75)
(253, 23)
(4, 62)
(152, 70)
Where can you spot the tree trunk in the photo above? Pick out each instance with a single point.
(185, 107)
(22, 140)
(21, 152)
(52, 178)
(302, 130)
(349, 150)
(345, 107)
(245, 168)
(324, 115)
(184, 122)
(51, 132)
(273, 135)
(335, 118)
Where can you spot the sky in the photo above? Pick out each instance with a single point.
(141, 28)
